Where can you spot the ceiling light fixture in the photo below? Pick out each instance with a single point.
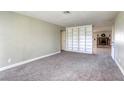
(67, 12)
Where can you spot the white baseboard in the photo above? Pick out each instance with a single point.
(121, 69)
(27, 61)
(79, 52)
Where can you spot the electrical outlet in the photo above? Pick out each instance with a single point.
(9, 60)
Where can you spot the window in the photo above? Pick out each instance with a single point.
(79, 39)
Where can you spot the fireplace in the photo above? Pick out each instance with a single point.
(103, 41)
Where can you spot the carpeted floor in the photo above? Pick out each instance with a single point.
(66, 66)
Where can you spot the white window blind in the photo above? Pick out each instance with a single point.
(79, 39)
(75, 39)
(82, 38)
(69, 39)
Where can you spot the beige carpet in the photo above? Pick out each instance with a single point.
(66, 66)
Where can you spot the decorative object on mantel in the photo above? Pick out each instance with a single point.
(103, 35)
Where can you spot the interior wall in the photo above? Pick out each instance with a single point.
(119, 39)
(63, 40)
(23, 38)
(113, 42)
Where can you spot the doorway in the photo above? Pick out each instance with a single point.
(102, 42)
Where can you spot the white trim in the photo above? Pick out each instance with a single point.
(27, 61)
(78, 51)
(121, 69)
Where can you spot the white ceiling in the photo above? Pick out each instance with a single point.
(76, 18)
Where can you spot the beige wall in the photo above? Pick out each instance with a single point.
(119, 39)
(23, 38)
(63, 40)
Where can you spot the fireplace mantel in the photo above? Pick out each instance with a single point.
(103, 42)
